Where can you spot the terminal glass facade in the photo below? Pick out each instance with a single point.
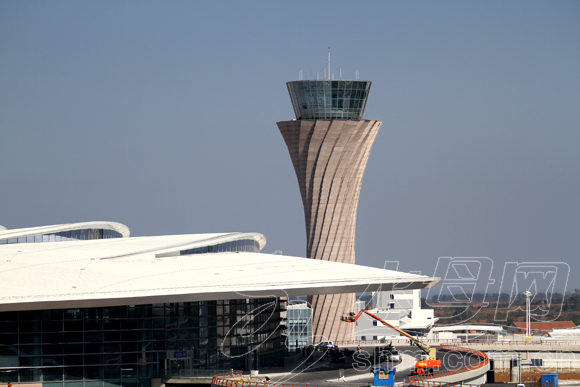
(299, 322)
(248, 245)
(72, 235)
(320, 100)
(128, 345)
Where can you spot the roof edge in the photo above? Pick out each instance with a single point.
(23, 232)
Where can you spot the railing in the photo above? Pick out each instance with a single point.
(394, 341)
(424, 380)
(460, 342)
(529, 342)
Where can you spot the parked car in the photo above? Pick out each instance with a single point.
(388, 353)
(325, 346)
(395, 356)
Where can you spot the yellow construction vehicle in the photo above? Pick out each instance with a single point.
(425, 366)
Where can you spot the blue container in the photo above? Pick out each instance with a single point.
(550, 380)
(385, 376)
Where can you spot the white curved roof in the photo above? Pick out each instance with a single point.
(2, 227)
(145, 270)
(23, 232)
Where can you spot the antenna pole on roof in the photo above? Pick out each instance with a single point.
(328, 62)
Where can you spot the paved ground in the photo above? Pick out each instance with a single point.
(320, 371)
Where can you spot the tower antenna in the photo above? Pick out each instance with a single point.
(328, 62)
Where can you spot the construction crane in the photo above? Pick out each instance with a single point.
(426, 365)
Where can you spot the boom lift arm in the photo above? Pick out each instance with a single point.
(350, 317)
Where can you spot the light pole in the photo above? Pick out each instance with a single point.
(519, 368)
(528, 300)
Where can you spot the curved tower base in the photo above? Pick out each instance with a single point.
(329, 157)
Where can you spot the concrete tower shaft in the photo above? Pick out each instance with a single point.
(329, 157)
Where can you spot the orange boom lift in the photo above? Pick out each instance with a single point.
(427, 365)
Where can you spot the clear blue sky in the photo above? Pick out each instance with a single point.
(162, 116)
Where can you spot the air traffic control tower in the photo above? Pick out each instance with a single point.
(329, 144)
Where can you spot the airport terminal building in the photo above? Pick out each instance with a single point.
(85, 305)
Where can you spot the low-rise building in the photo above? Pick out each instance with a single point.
(400, 308)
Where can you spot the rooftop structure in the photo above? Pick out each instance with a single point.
(106, 272)
(543, 327)
(64, 232)
(565, 332)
